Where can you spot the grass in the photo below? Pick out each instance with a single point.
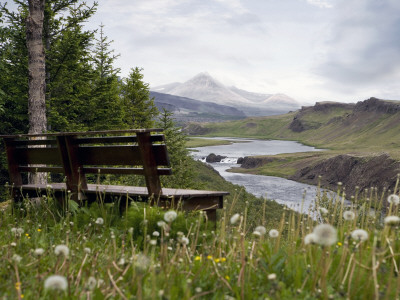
(105, 256)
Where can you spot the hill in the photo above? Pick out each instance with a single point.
(357, 136)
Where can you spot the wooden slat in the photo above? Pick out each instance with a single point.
(120, 155)
(46, 156)
(24, 143)
(116, 139)
(15, 175)
(124, 171)
(41, 169)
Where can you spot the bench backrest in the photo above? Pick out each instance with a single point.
(77, 154)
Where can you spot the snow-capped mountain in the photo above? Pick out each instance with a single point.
(203, 87)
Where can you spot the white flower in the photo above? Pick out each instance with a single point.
(91, 283)
(325, 234)
(13, 244)
(16, 258)
(39, 251)
(323, 211)
(61, 249)
(234, 219)
(99, 221)
(272, 276)
(130, 230)
(142, 262)
(260, 229)
(153, 242)
(56, 282)
(273, 233)
(87, 250)
(170, 216)
(156, 233)
(310, 238)
(161, 224)
(393, 199)
(256, 233)
(198, 289)
(349, 215)
(359, 235)
(14, 230)
(184, 240)
(392, 220)
(121, 261)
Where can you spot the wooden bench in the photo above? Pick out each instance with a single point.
(76, 154)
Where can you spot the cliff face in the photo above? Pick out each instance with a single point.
(364, 172)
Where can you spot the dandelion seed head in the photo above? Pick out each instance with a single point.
(272, 276)
(39, 251)
(153, 242)
(349, 215)
(325, 234)
(87, 250)
(61, 249)
(142, 262)
(16, 258)
(13, 244)
(360, 235)
(273, 233)
(261, 230)
(393, 199)
(99, 221)
(56, 282)
(156, 233)
(323, 211)
(170, 216)
(161, 224)
(310, 238)
(234, 219)
(184, 240)
(198, 289)
(91, 283)
(392, 220)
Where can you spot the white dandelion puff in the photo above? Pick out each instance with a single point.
(325, 234)
(323, 211)
(56, 282)
(261, 230)
(273, 233)
(310, 238)
(61, 249)
(184, 241)
(16, 258)
(39, 251)
(393, 199)
(360, 235)
(87, 250)
(156, 233)
(153, 242)
(272, 276)
(349, 215)
(91, 283)
(170, 216)
(234, 219)
(392, 220)
(99, 221)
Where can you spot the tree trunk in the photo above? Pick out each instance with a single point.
(37, 74)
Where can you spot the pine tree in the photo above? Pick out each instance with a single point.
(140, 110)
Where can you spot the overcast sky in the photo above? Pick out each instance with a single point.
(311, 50)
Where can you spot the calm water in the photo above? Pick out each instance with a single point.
(281, 190)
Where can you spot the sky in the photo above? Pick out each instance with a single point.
(311, 50)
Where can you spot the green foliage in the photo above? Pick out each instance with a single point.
(140, 110)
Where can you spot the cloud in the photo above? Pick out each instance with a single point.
(363, 47)
(321, 3)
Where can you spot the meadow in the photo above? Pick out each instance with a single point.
(333, 252)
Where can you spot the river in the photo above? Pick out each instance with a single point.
(281, 190)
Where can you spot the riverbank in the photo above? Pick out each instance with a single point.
(355, 169)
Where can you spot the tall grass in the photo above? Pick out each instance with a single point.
(146, 255)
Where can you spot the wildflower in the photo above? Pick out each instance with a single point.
(198, 290)
(223, 259)
(217, 260)
(39, 230)
(87, 250)
(153, 242)
(184, 240)
(209, 257)
(272, 276)
(121, 261)
(260, 229)
(91, 283)
(359, 235)
(325, 234)
(227, 277)
(56, 282)
(310, 238)
(170, 216)
(142, 262)
(273, 233)
(392, 220)
(256, 233)
(393, 199)
(130, 230)
(197, 258)
(156, 233)
(339, 244)
(61, 249)
(349, 215)
(13, 244)
(234, 219)
(16, 258)
(323, 211)
(161, 224)
(39, 251)
(99, 221)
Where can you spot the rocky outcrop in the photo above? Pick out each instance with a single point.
(212, 158)
(250, 162)
(364, 172)
(377, 105)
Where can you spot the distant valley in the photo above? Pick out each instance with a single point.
(203, 98)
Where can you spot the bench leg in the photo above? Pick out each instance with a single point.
(212, 215)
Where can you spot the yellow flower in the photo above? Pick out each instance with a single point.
(39, 230)
(18, 286)
(227, 277)
(223, 259)
(197, 258)
(217, 260)
(22, 295)
(27, 234)
(209, 257)
(339, 244)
